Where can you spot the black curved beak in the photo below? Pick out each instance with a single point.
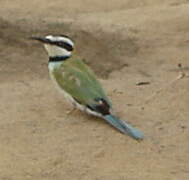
(41, 39)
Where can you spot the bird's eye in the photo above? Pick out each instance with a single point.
(59, 43)
(64, 45)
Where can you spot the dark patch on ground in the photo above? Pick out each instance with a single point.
(105, 53)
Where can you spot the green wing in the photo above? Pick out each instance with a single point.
(80, 82)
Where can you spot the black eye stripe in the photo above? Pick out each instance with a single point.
(65, 45)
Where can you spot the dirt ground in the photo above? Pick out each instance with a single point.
(125, 42)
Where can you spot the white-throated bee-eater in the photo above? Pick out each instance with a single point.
(79, 83)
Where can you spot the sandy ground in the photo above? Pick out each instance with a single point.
(125, 42)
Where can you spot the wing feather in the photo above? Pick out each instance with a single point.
(80, 82)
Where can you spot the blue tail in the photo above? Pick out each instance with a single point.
(124, 127)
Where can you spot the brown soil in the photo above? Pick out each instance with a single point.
(125, 42)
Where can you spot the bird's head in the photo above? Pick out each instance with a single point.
(57, 46)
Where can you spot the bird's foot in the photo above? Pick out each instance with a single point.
(70, 111)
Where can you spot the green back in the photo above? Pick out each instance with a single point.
(78, 80)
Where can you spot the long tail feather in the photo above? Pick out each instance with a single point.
(124, 127)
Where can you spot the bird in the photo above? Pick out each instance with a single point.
(79, 83)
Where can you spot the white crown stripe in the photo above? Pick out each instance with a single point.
(59, 38)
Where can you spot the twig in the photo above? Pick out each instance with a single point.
(142, 83)
(181, 75)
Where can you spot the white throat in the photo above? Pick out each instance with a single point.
(54, 51)
(54, 65)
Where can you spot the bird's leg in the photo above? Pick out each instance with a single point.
(70, 111)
